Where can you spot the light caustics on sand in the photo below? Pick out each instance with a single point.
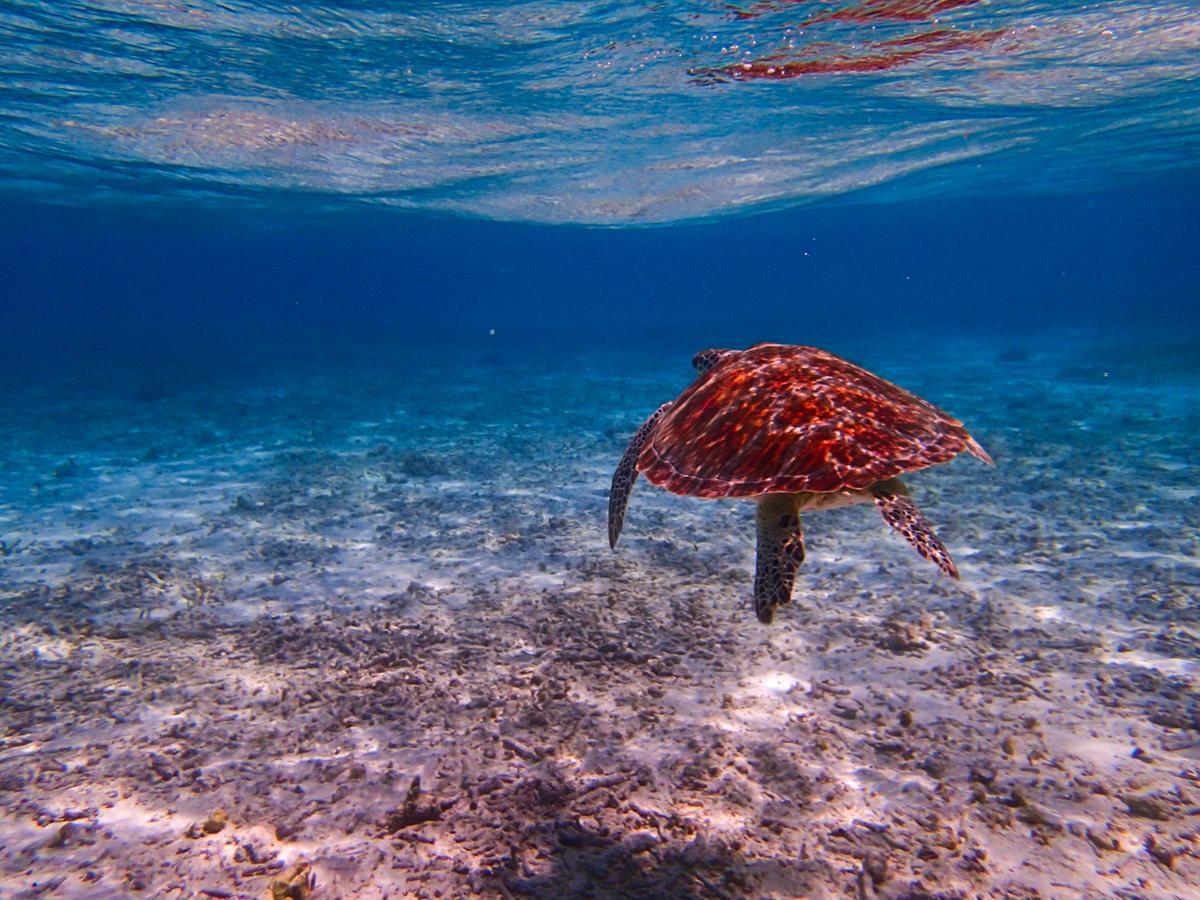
(587, 112)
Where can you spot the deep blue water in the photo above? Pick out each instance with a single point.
(108, 289)
(261, 177)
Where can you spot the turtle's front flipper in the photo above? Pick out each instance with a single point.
(626, 475)
(902, 514)
(780, 552)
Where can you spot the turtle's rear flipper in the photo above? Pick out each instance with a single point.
(780, 552)
(626, 475)
(902, 514)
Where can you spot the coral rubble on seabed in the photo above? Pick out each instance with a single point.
(274, 645)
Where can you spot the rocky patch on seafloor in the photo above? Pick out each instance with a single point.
(624, 740)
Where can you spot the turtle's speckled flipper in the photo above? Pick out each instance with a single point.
(626, 475)
(780, 552)
(902, 514)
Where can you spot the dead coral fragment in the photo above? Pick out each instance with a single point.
(1146, 806)
(294, 884)
(72, 834)
(212, 825)
(1102, 841)
(216, 821)
(413, 812)
(902, 637)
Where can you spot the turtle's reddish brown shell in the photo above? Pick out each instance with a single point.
(781, 419)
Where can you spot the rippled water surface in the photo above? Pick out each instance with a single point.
(594, 112)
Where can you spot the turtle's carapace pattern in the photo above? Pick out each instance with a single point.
(779, 419)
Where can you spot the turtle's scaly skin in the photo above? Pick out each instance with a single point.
(902, 514)
(626, 474)
(782, 419)
(780, 552)
(797, 429)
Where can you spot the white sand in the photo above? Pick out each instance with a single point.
(292, 629)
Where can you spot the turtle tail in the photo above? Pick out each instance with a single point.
(626, 475)
(780, 552)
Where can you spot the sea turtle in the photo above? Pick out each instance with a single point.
(797, 429)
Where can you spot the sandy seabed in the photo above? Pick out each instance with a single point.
(361, 635)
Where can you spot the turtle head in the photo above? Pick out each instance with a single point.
(706, 359)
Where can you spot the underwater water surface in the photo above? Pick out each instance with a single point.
(325, 327)
(590, 112)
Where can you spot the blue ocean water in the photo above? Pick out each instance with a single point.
(325, 325)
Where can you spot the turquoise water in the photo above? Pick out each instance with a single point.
(324, 328)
